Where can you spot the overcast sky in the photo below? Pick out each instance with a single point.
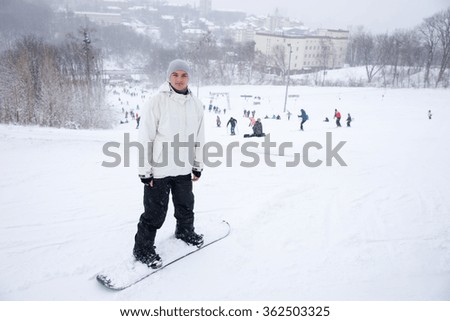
(375, 15)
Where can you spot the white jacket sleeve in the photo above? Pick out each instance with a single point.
(198, 160)
(147, 133)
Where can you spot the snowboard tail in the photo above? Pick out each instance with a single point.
(126, 274)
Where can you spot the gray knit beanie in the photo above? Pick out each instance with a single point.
(178, 64)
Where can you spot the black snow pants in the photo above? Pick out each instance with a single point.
(301, 124)
(156, 201)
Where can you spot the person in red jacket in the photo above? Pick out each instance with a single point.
(337, 116)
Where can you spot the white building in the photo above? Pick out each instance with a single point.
(243, 32)
(324, 48)
(101, 18)
(194, 34)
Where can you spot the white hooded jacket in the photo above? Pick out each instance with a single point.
(168, 117)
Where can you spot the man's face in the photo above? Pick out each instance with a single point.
(179, 80)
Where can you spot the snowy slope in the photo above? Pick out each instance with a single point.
(377, 229)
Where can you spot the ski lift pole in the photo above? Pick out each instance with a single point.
(288, 78)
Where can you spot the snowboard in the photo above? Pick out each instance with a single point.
(129, 272)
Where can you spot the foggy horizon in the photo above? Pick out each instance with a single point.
(376, 16)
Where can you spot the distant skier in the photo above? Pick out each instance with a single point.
(232, 122)
(349, 120)
(429, 114)
(138, 120)
(304, 118)
(289, 115)
(218, 121)
(337, 116)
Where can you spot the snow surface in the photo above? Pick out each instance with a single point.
(377, 229)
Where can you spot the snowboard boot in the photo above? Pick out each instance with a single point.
(149, 258)
(188, 235)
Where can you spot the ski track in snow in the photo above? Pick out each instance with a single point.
(377, 229)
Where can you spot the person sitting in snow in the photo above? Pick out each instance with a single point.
(257, 130)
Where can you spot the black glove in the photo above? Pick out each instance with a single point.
(146, 180)
(196, 173)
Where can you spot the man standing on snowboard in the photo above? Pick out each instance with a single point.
(172, 118)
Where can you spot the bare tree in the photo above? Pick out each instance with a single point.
(202, 54)
(47, 85)
(430, 40)
(327, 57)
(354, 56)
(279, 59)
(375, 51)
(261, 66)
(442, 25)
(396, 42)
(410, 56)
(246, 54)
